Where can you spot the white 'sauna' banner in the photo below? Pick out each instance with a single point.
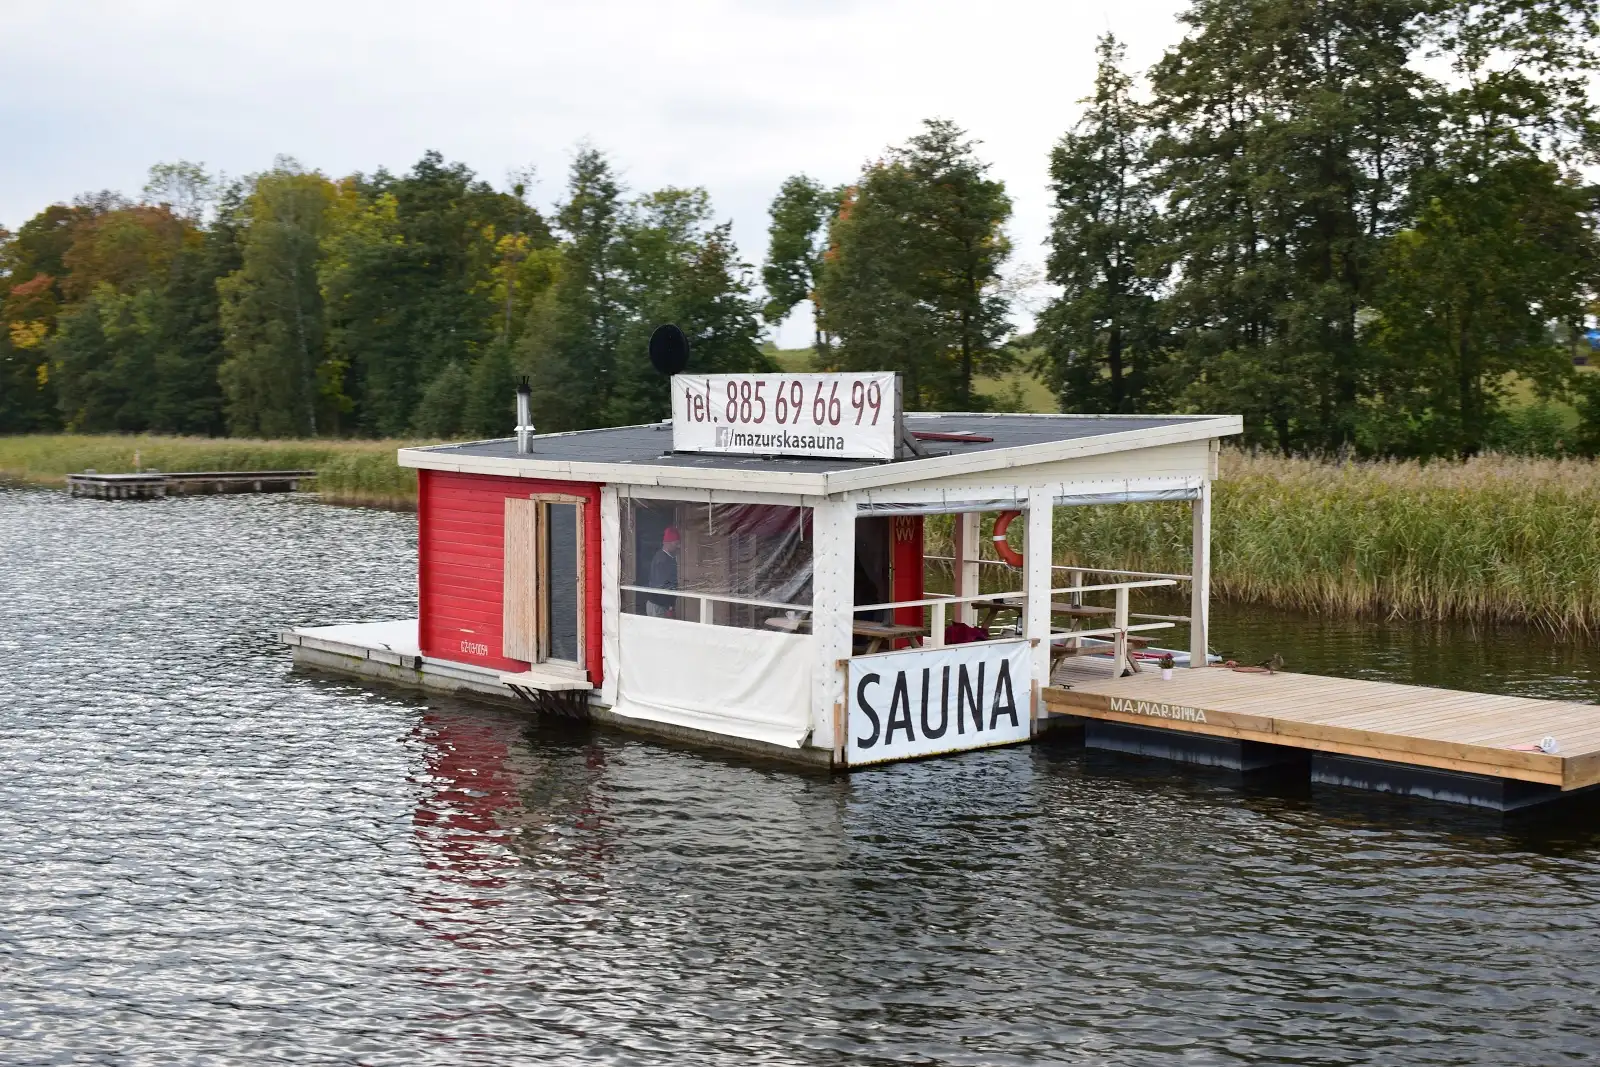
(947, 699)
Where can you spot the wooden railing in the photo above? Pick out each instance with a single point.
(706, 600)
(938, 604)
(1122, 616)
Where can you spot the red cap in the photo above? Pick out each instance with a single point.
(671, 536)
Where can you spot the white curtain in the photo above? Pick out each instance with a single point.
(720, 679)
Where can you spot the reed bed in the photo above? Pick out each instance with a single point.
(1494, 537)
(348, 472)
(1490, 538)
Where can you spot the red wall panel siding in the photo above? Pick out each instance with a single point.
(461, 556)
(906, 568)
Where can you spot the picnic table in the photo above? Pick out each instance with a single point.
(881, 634)
(988, 609)
(878, 634)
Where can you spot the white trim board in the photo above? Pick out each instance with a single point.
(984, 497)
(619, 474)
(713, 496)
(998, 459)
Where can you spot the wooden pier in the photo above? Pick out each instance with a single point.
(1471, 748)
(154, 485)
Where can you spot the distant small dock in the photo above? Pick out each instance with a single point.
(1469, 748)
(154, 485)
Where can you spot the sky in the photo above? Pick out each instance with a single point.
(732, 95)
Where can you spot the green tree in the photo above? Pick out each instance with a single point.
(490, 406)
(1288, 131)
(1496, 254)
(274, 377)
(571, 342)
(1493, 273)
(1523, 66)
(525, 276)
(32, 266)
(442, 410)
(112, 356)
(29, 301)
(412, 281)
(625, 267)
(680, 266)
(187, 396)
(911, 280)
(103, 360)
(1104, 341)
(184, 188)
(796, 235)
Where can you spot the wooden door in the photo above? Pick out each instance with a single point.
(520, 590)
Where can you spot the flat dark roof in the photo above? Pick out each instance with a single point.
(651, 445)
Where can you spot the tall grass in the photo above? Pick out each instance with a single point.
(1492, 537)
(348, 472)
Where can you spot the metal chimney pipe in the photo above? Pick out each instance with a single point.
(524, 417)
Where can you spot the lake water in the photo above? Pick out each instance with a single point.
(207, 858)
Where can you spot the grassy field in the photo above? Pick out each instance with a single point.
(348, 472)
(1490, 538)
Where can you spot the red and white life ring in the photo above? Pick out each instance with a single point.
(1002, 547)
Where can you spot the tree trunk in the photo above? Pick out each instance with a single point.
(1114, 360)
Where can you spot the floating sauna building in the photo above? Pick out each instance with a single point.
(750, 574)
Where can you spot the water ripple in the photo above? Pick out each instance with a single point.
(211, 859)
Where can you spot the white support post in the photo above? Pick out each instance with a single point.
(965, 536)
(833, 596)
(1121, 659)
(706, 618)
(1040, 548)
(1075, 580)
(1200, 574)
(936, 625)
(610, 594)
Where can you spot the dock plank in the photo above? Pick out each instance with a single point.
(1423, 726)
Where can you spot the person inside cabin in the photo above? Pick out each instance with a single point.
(664, 575)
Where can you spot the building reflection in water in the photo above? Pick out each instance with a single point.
(501, 797)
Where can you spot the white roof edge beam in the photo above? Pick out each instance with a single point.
(1178, 494)
(714, 496)
(617, 473)
(1195, 429)
(1049, 415)
(1004, 497)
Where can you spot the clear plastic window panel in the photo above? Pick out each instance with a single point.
(561, 590)
(726, 552)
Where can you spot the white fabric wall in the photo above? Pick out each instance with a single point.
(721, 679)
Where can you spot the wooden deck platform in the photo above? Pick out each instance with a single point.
(1465, 733)
(155, 485)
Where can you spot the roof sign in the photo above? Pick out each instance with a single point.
(835, 416)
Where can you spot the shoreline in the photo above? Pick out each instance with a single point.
(1492, 539)
(355, 473)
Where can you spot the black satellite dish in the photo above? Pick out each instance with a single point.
(669, 350)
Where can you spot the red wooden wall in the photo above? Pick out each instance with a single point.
(906, 567)
(461, 556)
